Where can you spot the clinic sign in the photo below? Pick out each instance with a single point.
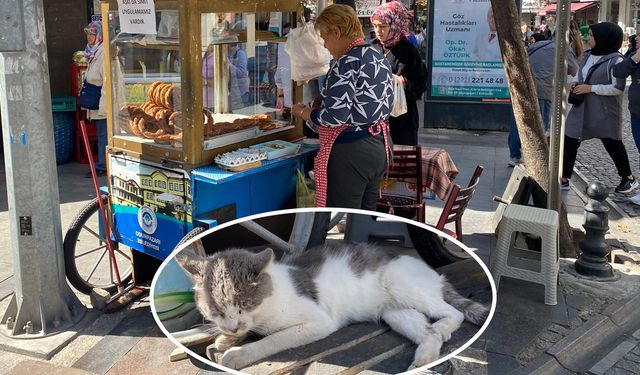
(466, 60)
(365, 8)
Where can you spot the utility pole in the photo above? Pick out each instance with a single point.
(556, 149)
(43, 303)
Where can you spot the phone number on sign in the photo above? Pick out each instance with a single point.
(473, 80)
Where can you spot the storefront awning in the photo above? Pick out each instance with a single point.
(551, 8)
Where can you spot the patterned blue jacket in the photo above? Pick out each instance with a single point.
(358, 91)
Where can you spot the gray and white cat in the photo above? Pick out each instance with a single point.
(306, 297)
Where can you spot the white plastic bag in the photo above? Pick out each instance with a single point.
(309, 58)
(399, 106)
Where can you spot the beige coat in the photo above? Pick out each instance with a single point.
(95, 75)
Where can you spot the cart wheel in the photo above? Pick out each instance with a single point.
(187, 237)
(86, 257)
(433, 249)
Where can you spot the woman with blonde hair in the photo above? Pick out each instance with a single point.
(352, 117)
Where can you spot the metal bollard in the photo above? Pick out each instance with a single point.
(593, 259)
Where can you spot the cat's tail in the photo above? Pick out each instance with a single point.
(474, 312)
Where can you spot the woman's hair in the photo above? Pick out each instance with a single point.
(343, 17)
(538, 37)
(575, 38)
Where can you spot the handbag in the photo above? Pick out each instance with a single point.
(575, 99)
(90, 95)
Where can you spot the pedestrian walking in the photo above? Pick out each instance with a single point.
(391, 23)
(631, 67)
(598, 115)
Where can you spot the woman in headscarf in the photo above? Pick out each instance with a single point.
(352, 117)
(599, 115)
(391, 22)
(94, 53)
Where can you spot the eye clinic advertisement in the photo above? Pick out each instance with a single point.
(466, 60)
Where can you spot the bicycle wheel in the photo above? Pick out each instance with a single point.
(433, 249)
(86, 257)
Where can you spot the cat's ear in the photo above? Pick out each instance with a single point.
(192, 264)
(262, 260)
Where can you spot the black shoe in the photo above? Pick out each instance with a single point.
(565, 186)
(99, 173)
(626, 185)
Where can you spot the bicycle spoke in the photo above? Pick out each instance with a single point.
(96, 265)
(91, 251)
(123, 254)
(96, 235)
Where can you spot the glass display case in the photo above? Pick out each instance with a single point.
(204, 84)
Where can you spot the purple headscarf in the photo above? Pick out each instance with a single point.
(94, 28)
(398, 17)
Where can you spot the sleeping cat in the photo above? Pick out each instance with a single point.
(306, 297)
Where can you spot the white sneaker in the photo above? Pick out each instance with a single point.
(635, 199)
(514, 161)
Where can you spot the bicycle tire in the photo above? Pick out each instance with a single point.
(192, 233)
(432, 249)
(70, 246)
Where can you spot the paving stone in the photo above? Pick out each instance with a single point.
(619, 371)
(612, 358)
(150, 355)
(634, 367)
(38, 367)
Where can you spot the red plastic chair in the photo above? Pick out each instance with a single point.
(456, 204)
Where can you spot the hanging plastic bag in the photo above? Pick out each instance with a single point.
(399, 106)
(309, 58)
(305, 196)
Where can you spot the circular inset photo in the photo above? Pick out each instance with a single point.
(323, 291)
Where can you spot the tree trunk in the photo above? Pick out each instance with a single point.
(524, 99)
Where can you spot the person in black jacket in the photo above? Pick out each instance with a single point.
(391, 23)
(633, 43)
(630, 66)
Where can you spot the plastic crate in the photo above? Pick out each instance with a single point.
(61, 103)
(63, 133)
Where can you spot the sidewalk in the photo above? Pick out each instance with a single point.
(593, 327)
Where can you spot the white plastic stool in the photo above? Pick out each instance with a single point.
(537, 221)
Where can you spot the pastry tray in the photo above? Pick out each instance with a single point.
(240, 159)
(277, 148)
(230, 138)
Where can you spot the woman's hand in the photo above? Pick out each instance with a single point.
(636, 57)
(298, 110)
(280, 102)
(582, 89)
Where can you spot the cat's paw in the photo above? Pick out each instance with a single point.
(427, 352)
(224, 342)
(236, 358)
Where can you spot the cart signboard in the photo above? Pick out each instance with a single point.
(150, 205)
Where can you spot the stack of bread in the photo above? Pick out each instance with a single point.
(160, 118)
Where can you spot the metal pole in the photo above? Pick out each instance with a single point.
(556, 148)
(320, 5)
(42, 303)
